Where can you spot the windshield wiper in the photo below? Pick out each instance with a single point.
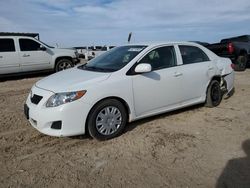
(99, 69)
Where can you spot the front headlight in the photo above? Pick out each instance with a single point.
(62, 98)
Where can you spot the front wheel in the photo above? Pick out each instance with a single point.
(214, 94)
(63, 64)
(107, 119)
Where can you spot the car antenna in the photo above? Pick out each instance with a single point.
(129, 37)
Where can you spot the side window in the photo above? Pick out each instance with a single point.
(7, 45)
(192, 54)
(28, 45)
(160, 58)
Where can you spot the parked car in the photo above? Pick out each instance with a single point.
(81, 51)
(236, 48)
(21, 53)
(201, 43)
(102, 50)
(94, 51)
(125, 84)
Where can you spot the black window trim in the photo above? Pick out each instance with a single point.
(13, 43)
(191, 46)
(27, 39)
(131, 72)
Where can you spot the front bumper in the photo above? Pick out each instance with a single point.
(72, 115)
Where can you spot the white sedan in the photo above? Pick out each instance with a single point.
(125, 84)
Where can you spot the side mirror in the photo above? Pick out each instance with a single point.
(42, 48)
(143, 68)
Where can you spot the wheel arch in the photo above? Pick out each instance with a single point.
(62, 57)
(124, 103)
(209, 102)
(215, 77)
(243, 52)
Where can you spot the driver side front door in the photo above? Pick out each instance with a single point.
(159, 89)
(32, 57)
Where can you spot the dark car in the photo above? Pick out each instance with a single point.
(236, 48)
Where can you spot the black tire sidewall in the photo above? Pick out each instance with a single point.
(241, 65)
(209, 100)
(91, 120)
(61, 61)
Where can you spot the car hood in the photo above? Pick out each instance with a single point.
(73, 79)
(66, 50)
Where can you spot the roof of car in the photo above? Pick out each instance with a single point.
(19, 34)
(163, 43)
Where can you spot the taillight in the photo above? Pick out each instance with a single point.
(232, 65)
(230, 48)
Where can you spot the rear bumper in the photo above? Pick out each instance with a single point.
(229, 83)
(229, 94)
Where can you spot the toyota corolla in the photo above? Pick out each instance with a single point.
(125, 84)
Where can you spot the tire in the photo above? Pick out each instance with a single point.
(107, 119)
(63, 64)
(241, 63)
(214, 94)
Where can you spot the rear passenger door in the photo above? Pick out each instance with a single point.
(32, 57)
(9, 61)
(196, 69)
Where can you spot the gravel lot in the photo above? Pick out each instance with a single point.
(194, 147)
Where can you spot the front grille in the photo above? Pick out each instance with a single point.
(36, 99)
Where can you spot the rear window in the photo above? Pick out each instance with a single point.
(7, 45)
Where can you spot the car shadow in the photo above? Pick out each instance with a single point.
(140, 122)
(237, 171)
(133, 125)
(24, 76)
(86, 136)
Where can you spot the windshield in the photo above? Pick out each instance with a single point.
(114, 59)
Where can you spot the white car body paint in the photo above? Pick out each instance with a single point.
(145, 94)
(26, 61)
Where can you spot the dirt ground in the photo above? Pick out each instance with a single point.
(186, 148)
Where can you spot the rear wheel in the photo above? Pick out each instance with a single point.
(214, 94)
(241, 63)
(107, 119)
(63, 64)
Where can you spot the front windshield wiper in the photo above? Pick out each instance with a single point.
(99, 69)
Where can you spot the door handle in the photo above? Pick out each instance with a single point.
(177, 74)
(1, 56)
(26, 55)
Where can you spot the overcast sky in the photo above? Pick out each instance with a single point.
(93, 22)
